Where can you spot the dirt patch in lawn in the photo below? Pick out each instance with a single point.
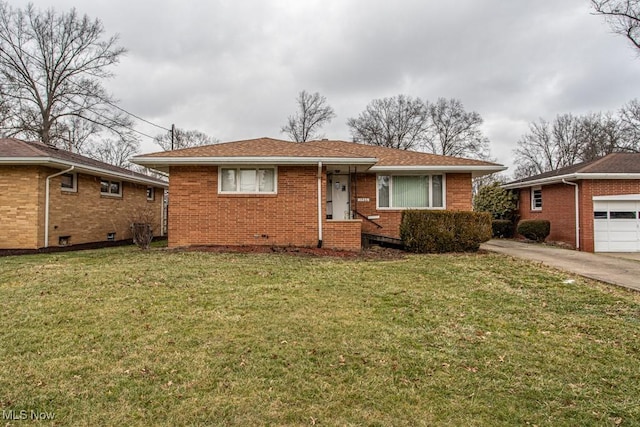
(372, 252)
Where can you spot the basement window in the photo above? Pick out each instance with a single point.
(69, 182)
(64, 240)
(536, 199)
(110, 188)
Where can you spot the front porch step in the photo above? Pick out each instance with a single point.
(369, 239)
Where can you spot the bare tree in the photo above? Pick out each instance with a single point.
(115, 152)
(630, 126)
(184, 139)
(572, 139)
(397, 122)
(452, 131)
(313, 113)
(52, 66)
(623, 16)
(536, 152)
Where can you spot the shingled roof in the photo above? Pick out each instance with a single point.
(611, 166)
(17, 152)
(279, 151)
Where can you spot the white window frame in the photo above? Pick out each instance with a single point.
(153, 193)
(256, 191)
(430, 175)
(74, 188)
(110, 194)
(533, 199)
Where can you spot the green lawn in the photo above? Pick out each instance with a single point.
(123, 337)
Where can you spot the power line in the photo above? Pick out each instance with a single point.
(105, 101)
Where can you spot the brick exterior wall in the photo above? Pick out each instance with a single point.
(558, 206)
(198, 215)
(458, 197)
(19, 207)
(85, 216)
(340, 234)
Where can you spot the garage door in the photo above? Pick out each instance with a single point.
(616, 225)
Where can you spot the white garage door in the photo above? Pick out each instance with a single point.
(616, 225)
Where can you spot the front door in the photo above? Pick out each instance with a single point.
(340, 196)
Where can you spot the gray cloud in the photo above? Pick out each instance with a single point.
(233, 69)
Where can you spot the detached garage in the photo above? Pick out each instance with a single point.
(616, 223)
(592, 206)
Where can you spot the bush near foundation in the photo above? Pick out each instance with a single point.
(534, 229)
(444, 231)
(502, 228)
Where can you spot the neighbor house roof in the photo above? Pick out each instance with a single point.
(275, 151)
(611, 166)
(17, 152)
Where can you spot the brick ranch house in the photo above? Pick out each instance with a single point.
(592, 206)
(51, 197)
(321, 193)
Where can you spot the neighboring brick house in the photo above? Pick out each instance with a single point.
(51, 197)
(327, 193)
(592, 206)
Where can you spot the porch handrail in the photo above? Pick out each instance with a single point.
(367, 219)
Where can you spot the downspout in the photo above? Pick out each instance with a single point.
(577, 196)
(46, 204)
(161, 214)
(319, 204)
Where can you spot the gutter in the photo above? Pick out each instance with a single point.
(46, 203)
(50, 161)
(319, 204)
(574, 176)
(577, 198)
(261, 160)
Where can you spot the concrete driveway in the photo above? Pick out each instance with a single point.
(616, 269)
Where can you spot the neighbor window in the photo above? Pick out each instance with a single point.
(411, 191)
(69, 182)
(247, 180)
(110, 188)
(151, 193)
(536, 199)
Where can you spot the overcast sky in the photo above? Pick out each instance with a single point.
(232, 69)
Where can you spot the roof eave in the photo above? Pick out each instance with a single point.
(476, 170)
(253, 160)
(573, 176)
(58, 163)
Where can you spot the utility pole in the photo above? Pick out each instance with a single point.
(173, 133)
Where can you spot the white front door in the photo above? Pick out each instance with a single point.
(340, 196)
(616, 226)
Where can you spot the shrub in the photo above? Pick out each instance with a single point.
(502, 228)
(500, 203)
(534, 229)
(444, 231)
(142, 225)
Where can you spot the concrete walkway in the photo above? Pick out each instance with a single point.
(618, 270)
